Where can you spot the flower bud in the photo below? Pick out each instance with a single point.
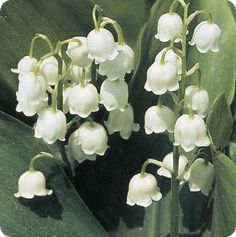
(51, 125)
(171, 57)
(168, 161)
(114, 94)
(101, 45)
(25, 65)
(198, 99)
(31, 94)
(83, 100)
(200, 176)
(32, 183)
(75, 149)
(49, 69)
(158, 119)
(162, 78)
(120, 65)
(190, 131)
(142, 190)
(170, 25)
(78, 53)
(93, 138)
(206, 36)
(76, 74)
(122, 121)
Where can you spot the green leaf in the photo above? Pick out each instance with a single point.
(224, 205)
(220, 122)
(218, 69)
(61, 214)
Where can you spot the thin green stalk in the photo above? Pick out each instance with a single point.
(174, 217)
(38, 156)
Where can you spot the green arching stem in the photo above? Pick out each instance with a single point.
(159, 103)
(198, 12)
(95, 21)
(199, 81)
(54, 98)
(66, 41)
(91, 122)
(43, 37)
(74, 120)
(37, 66)
(154, 162)
(107, 20)
(171, 47)
(38, 156)
(173, 4)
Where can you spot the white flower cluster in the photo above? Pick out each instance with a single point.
(189, 129)
(38, 91)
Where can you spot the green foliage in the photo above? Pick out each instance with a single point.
(220, 122)
(61, 214)
(224, 205)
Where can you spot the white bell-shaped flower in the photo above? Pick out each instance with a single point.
(25, 65)
(78, 53)
(49, 69)
(207, 37)
(117, 68)
(75, 149)
(190, 131)
(162, 78)
(122, 121)
(31, 94)
(142, 190)
(170, 25)
(51, 125)
(93, 138)
(168, 161)
(76, 74)
(114, 94)
(158, 119)
(198, 99)
(101, 45)
(200, 176)
(83, 100)
(171, 57)
(32, 183)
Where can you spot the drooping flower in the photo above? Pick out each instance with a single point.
(200, 176)
(168, 161)
(83, 100)
(49, 69)
(93, 138)
(198, 99)
(25, 65)
(101, 45)
(78, 53)
(162, 78)
(171, 57)
(190, 131)
(32, 183)
(207, 37)
(170, 25)
(74, 147)
(158, 119)
(31, 94)
(114, 94)
(76, 75)
(122, 121)
(51, 125)
(142, 190)
(117, 68)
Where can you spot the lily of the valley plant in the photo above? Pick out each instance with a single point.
(59, 84)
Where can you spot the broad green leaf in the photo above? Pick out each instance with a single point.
(218, 69)
(61, 214)
(224, 204)
(220, 122)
